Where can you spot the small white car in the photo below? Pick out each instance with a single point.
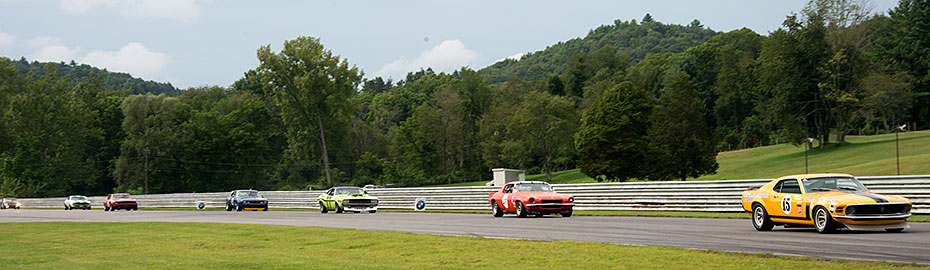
(77, 201)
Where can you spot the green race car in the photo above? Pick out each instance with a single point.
(347, 199)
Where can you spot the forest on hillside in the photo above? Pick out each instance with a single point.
(632, 100)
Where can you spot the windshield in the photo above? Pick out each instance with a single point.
(349, 191)
(121, 196)
(532, 187)
(78, 198)
(249, 193)
(827, 184)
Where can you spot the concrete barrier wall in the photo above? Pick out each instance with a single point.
(710, 196)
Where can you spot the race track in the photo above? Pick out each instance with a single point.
(910, 246)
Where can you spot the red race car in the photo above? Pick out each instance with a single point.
(120, 201)
(530, 198)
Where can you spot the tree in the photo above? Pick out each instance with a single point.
(312, 86)
(543, 126)
(908, 49)
(685, 144)
(612, 141)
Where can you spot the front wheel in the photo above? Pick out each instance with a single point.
(323, 208)
(106, 208)
(760, 219)
(66, 207)
(496, 210)
(895, 230)
(823, 221)
(338, 208)
(239, 207)
(521, 211)
(372, 211)
(567, 213)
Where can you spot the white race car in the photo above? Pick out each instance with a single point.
(77, 201)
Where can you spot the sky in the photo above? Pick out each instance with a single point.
(192, 43)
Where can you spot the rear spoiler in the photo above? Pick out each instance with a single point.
(755, 187)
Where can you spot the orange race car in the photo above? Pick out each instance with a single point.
(530, 198)
(825, 201)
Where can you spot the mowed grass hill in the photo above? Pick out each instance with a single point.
(860, 155)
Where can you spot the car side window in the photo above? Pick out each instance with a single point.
(330, 192)
(508, 189)
(790, 186)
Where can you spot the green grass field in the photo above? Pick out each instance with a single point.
(245, 246)
(860, 156)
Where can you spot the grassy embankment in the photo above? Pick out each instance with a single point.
(245, 246)
(860, 155)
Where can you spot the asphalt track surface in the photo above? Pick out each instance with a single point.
(733, 235)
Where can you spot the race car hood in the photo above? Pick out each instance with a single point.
(857, 197)
(124, 200)
(544, 195)
(252, 199)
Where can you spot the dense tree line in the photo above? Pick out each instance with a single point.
(656, 107)
(110, 80)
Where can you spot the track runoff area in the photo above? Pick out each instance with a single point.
(730, 235)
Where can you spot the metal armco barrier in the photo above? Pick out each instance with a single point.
(709, 196)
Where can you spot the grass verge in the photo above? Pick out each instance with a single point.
(245, 246)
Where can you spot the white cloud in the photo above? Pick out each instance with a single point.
(445, 57)
(6, 40)
(50, 49)
(514, 57)
(182, 10)
(133, 58)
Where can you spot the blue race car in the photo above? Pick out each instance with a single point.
(246, 199)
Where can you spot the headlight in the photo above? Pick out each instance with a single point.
(850, 210)
(907, 209)
(532, 200)
(17, 204)
(571, 199)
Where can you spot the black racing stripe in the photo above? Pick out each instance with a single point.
(787, 217)
(874, 197)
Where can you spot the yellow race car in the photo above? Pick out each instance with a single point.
(825, 201)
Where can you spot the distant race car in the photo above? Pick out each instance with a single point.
(347, 199)
(120, 201)
(825, 201)
(77, 201)
(530, 198)
(8, 203)
(246, 199)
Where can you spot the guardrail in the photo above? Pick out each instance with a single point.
(707, 196)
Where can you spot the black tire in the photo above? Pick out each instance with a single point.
(66, 207)
(496, 210)
(106, 208)
(567, 213)
(88, 208)
(338, 208)
(521, 211)
(760, 218)
(135, 208)
(228, 207)
(895, 230)
(823, 222)
(238, 207)
(323, 208)
(539, 215)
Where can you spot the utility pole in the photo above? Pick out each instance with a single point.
(145, 187)
(897, 153)
(807, 147)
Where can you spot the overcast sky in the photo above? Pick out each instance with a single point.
(211, 42)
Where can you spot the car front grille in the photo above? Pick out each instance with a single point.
(360, 202)
(877, 209)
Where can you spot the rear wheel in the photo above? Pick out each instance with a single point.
(760, 218)
(323, 207)
(823, 221)
(496, 210)
(895, 230)
(521, 211)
